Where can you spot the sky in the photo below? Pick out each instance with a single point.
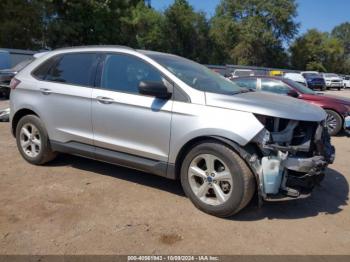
(320, 14)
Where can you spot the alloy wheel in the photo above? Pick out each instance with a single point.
(210, 179)
(331, 122)
(30, 140)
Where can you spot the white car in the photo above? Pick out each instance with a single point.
(296, 77)
(242, 72)
(346, 81)
(333, 80)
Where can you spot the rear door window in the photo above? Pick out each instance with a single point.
(76, 69)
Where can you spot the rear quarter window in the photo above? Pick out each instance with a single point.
(72, 68)
(42, 70)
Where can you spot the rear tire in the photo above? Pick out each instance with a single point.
(334, 122)
(33, 141)
(230, 184)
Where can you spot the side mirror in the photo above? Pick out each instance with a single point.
(156, 89)
(293, 93)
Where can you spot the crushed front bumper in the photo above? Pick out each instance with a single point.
(289, 170)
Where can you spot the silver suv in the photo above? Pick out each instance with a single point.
(167, 115)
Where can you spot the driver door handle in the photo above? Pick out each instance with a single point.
(45, 91)
(104, 100)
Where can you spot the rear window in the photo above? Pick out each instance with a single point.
(76, 69)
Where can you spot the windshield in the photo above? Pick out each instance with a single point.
(196, 75)
(301, 88)
(310, 75)
(330, 75)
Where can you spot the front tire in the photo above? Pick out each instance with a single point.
(32, 140)
(216, 179)
(333, 122)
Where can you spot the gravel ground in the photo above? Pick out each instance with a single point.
(79, 206)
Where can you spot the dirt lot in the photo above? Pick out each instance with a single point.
(80, 206)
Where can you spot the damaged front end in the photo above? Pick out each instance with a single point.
(292, 157)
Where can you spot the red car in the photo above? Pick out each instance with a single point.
(337, 108)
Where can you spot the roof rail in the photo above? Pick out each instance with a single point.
(95, 46)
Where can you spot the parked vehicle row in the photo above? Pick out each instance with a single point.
(170, 116)
(7, 74)
(311, 79)
(337, 108)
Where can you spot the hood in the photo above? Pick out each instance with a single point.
(269, 105)
(328, 98)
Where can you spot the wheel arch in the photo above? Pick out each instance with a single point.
(243, 152)
(18, 115)
(334, 110)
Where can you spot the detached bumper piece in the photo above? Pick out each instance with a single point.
(347, 123)
(296, 155)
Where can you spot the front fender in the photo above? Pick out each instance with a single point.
(191, 121)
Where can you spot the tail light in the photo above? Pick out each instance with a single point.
(14, 83)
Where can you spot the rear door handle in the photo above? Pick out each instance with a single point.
(105, 100)
(45, 91)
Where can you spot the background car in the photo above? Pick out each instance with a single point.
(7, 74)
(5, 59)
(314, 80)
(242, 72)
(337, 108)
(297, 77)
(333, 81)
(346, 81)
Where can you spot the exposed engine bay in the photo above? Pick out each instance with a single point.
(292, 157)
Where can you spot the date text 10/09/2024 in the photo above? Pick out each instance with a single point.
(173, 258)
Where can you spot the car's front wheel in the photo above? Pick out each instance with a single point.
(216, 179)
(32, 140)
(333, 122)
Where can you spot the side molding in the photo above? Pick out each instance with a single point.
(113, 157)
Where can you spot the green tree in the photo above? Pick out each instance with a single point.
(252, 32)
(20, 24)
(146, 28)
(342, 32)
(319, 51)
(186, 31)
(88, 22)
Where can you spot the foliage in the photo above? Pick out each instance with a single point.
(20, 24)
(252, 32)
(318, 51)
(89, 22)
(246, 32)
(186, 31)
(342, 32)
